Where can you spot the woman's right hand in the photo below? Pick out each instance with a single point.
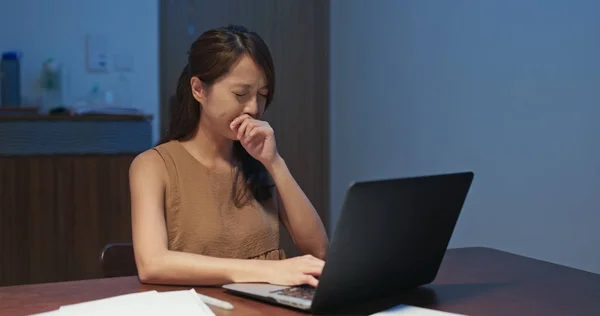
(295, 271)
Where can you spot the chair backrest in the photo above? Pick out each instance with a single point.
(118, 260)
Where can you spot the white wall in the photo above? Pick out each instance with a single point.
(57, 28)
(508, 89)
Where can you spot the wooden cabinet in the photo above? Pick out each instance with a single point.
(57, 213)
(64, 192)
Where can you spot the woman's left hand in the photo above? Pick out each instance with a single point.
(257, 137)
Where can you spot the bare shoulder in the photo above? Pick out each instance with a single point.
(148, 165)
(148, 158)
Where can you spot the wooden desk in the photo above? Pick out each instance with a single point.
(472, 281)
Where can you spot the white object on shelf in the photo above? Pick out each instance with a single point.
(122, 91)
(107, 110)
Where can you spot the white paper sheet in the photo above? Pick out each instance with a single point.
(407, 310)
(148, 303)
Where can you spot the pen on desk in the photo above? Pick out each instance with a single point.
(214, 302)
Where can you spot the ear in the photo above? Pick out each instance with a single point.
(198, 90)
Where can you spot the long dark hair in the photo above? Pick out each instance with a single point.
(211, 56)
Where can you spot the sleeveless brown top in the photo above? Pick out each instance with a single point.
(201, 216)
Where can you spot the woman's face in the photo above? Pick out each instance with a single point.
(241, 91)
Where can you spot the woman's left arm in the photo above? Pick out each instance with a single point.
(297, 213)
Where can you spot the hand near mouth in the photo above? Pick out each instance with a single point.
(257, 137)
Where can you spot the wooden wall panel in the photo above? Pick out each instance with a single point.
(297, 32)
(58, 212)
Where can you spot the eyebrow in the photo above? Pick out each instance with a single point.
(245, 85)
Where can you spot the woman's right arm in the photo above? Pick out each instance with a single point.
(157, 264)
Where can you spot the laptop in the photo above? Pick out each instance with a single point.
(391, 237)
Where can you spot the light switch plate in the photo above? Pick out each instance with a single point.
(97, 53)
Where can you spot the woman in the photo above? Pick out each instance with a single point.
(206, 202)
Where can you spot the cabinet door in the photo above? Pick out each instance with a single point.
(100, 211)
(58, 212)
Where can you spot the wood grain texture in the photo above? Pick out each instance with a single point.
(297, 33)
(58, 212)
(471, 281)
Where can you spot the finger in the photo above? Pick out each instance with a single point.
(310, 280)
(255, 132)
(320, 264)
(242, 129)
(314, 259)
(252, 137)
(315, 263)
(315, 273)
(236, 122)
(314, 269)
(252, 126)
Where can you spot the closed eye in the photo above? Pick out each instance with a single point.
(245, 94)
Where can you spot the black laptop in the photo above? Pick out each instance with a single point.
(391, 236)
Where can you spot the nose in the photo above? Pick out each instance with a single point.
(252, 107)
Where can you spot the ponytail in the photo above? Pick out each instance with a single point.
(185, 113)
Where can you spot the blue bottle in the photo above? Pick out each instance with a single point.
(10, 79)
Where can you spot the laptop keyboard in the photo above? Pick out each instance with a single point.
(306, 292)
